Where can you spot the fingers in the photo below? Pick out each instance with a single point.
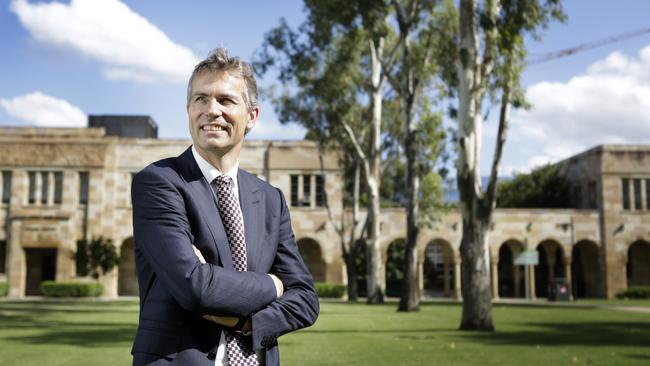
(198, 254)
(279, 287)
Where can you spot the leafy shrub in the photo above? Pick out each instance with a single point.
(4, 289)
(329, 290)
(71, 289)
(635, 292)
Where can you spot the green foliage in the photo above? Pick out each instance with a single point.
(96, 257)
(329, 290)
(4, 288)
(71, 289)
(635, 292)
(544, 187)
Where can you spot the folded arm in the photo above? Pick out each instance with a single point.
(162, 234)
(298, 307)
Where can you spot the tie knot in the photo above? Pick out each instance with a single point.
(223, 181)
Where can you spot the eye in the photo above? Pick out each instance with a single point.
(200, 99)
(226, 101)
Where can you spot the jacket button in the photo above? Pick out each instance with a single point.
(212, 356)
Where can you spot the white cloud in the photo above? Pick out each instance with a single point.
(43, 110)
(608, 104)
(128, 45)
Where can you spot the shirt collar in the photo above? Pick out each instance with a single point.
(210, 172)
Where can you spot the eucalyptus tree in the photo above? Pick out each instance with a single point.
(425, 30)
(332, 67)
(490, 58)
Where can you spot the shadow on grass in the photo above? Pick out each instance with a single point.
(373, 331)
(92, 336)
(42, 324)
(632, 334)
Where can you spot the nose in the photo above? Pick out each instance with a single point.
(214, 108)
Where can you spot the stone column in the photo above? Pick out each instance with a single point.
(494, 271)
(531, 281)
(16, 263)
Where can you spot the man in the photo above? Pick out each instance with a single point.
(219, 271)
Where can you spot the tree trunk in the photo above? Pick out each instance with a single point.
(475, 271)
(477, 301)
(373, 177)
(351, 271)
(410, 297)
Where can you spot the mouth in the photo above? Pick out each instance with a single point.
(213, 128)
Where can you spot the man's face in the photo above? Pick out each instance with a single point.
(217, 112)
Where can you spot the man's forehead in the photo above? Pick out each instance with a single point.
(208, 79)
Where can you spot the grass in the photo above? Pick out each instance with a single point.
(100, 333)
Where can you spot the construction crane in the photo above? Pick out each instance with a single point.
(587, 46)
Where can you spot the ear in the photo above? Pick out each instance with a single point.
(253, 115)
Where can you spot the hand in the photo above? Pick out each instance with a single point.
(199, 255)
(279, 287)
(226, 321)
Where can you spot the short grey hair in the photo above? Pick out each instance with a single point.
(219, 61)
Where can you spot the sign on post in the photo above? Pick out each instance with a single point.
(527, 258)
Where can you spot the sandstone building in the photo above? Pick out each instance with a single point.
(59, 185)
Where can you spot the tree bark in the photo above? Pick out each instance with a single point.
(410, 297)
(373, 177)
(476, 212)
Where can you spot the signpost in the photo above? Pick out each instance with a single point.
(525, 259)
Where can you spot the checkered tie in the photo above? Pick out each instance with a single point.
(240, 353)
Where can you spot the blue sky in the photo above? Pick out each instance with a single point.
(62, 60)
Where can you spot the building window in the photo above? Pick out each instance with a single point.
(83, 188)
(626, 193)
(32, 188)
(636, 183)
(320, 190)
(58, 187)
(45, 179)
(647, 194)
(592, 195)
(294, 190)
(45, 186)
(3, 256)
(6, 186)
(306, 190)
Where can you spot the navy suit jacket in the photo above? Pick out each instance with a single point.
(174, 208)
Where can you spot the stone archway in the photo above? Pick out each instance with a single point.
(127, 280)
(438, 269)
(313, 257)
(585, 270)
(638, 264)
(511, 277)
(550, 267)
(395, 267)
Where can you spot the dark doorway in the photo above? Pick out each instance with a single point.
(41, 266)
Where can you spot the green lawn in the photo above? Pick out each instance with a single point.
(100, 333)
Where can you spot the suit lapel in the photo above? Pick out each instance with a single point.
(252, 206)
(206, 200)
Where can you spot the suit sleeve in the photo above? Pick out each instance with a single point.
(162, 234)
(298, 307)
